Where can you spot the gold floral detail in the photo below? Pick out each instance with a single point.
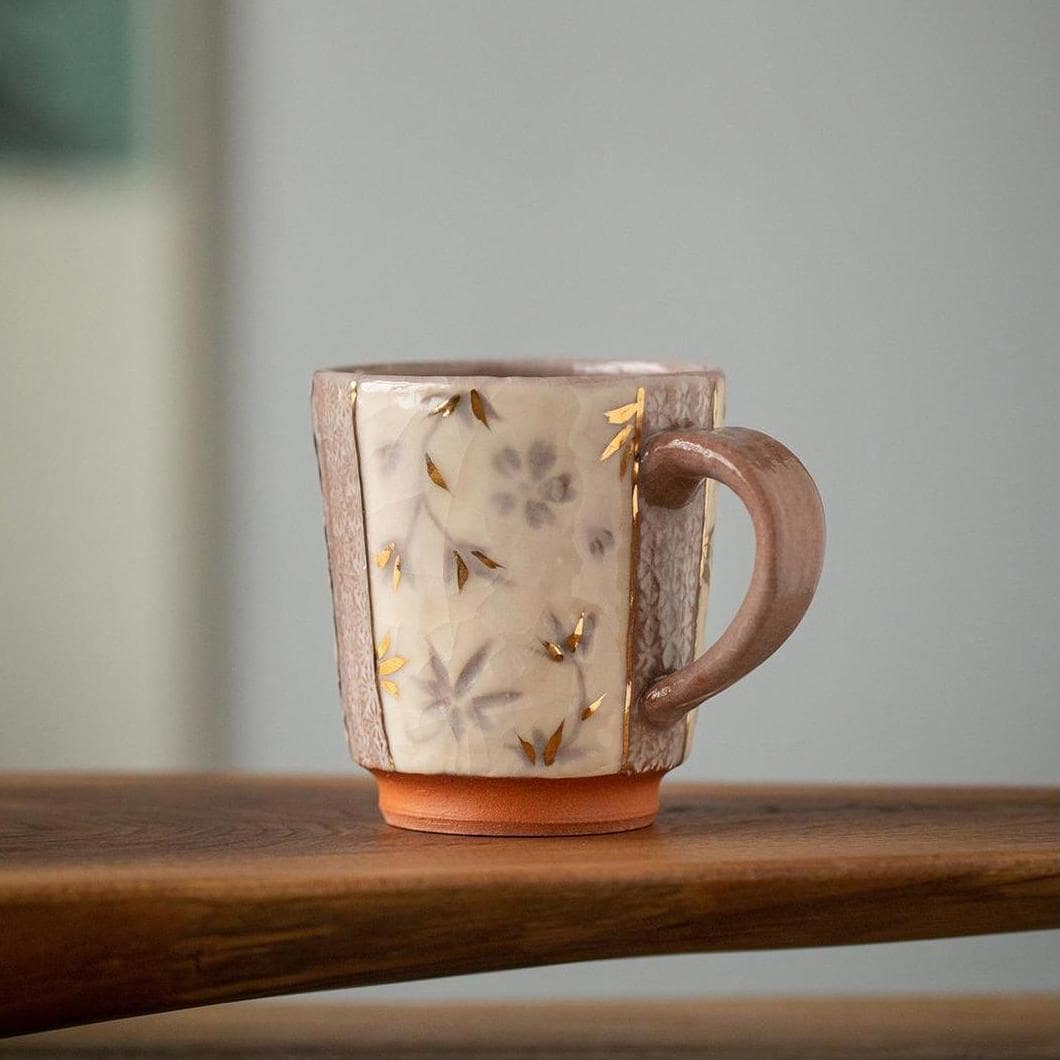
(548, 752)
(572, 640)
(478, 408)
(384, 556)
(569, 649)
(462, 568)
(553, 746)
(617, 442)
(627, 439)
(624, 413)
(592, 708)
(434, 474)
(461, 572)
(445, 409)
(457, 552)
(386, 666)
(576, 635)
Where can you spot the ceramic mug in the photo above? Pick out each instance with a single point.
(520, 559)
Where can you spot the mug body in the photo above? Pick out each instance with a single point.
(502, 596)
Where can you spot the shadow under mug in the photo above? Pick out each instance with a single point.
(520, 558)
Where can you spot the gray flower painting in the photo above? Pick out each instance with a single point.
(532, 486)
(455, 700)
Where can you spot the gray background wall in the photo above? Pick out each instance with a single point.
(111, 616)
(851, 207)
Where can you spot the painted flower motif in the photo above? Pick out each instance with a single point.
(532, 486)
(566, 643)
(540, 747)
(565, 640)
(599, 541)
(455, 700)
(386, 666)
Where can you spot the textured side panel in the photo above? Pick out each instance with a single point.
(344, 531)
(710, 508)
(668, 575)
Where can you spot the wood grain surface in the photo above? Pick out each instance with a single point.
(123, 895)
(860, 1028)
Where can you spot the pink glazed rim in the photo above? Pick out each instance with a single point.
(521, 368)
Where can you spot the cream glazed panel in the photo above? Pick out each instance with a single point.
(499, 538)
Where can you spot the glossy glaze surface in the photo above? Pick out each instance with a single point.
(520, 562)
(493, 538)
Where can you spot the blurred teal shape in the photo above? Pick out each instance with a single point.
(66, 80)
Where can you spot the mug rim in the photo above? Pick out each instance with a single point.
(520, 369)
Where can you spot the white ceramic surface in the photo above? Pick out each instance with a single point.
(473, 580)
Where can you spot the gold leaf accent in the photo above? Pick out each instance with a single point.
(461, 572)
(446, 407)
(434, 474)
(528, 750)
(627, 706)
(389, 686)
(383, 558)
(552, 747)
(391, 665)
(478, 408)
(717, 404)
(395, 577)
(485, 560)
(384, 646)
(576, 637)
(617, 442)
(592, 708)
(625, 412)
(555, 652)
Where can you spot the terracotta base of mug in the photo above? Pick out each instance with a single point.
(518, 806)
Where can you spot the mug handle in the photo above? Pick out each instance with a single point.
(788, 520)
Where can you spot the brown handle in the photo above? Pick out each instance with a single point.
(788, 521)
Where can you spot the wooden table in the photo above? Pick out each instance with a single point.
(943, 1027)
(123, 895)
